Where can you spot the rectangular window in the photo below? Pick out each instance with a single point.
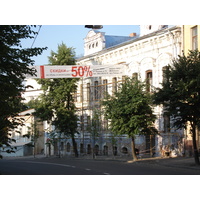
(135, 76)
(165, 76)
(88, 123)
(194, 38)
(149, 80)
(88, 91)
(75, 96)
(105, 87)
(124, 78)
(105, 124)
(114, 85)
(96, 90)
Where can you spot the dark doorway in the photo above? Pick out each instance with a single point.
(105, 150)
(114, 150)
(88, 149)
(96, 149)
(81, 148)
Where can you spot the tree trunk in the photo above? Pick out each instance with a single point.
(74, 146)
(196, 155)
(133, 149)
(151, 147)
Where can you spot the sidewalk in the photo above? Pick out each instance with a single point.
(177, 162)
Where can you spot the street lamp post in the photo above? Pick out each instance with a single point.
(94, 26)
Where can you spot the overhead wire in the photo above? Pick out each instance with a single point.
(36, 35)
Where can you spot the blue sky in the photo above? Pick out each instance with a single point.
(72, 35)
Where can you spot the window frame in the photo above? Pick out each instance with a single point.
(194, 38)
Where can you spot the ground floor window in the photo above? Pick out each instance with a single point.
(96, 149)
(105, 150)
(89, 150)
(68, 147)
(114, 150)
(124, 150)
(81, 148)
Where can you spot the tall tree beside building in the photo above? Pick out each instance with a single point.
(130, 111)
(180, 94)
(14, 62)
(57, 103)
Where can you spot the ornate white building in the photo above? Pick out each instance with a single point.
(145, 56)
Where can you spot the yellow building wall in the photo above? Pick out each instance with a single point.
(187, 37)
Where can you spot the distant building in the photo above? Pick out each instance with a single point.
(191, 41)
(23, 145)
(33, 90)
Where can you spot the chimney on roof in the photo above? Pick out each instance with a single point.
(132, 35)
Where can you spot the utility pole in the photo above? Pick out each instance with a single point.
(82, 113)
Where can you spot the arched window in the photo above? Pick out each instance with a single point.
(114, 150)
(96, 149)
(124, 150)
(105, 150)
(89, 150)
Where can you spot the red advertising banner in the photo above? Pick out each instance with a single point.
(77, 71)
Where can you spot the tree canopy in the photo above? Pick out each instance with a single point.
(14, 62)
(130, 111)
(180, 93)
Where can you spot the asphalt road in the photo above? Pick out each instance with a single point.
(60, 166)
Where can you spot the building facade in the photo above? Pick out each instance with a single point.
(191, 37)
(146, 57)
(33, 90)
(29, 138)
(191, 41)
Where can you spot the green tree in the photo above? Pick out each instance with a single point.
(130, 111)
(180, 94)
(14, 62)
(57, 103)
